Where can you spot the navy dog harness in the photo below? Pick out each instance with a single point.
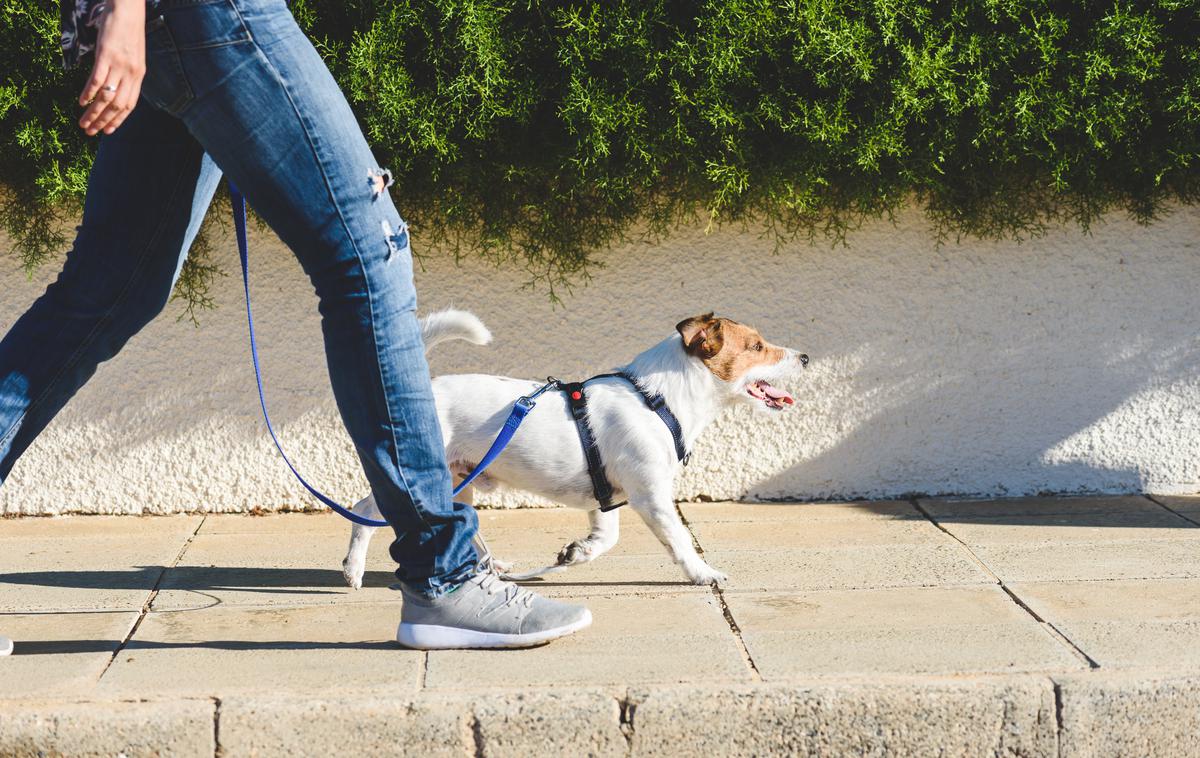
(576, 393)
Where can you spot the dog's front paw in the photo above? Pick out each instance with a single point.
(579, 551)
(353, 573)
(705, 574)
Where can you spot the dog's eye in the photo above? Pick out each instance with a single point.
(758, 346)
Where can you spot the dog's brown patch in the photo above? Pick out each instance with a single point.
(728, 348)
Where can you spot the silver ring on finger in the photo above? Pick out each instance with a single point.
(109, 88)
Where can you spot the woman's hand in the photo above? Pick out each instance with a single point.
(116, 81)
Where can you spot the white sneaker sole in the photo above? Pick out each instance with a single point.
(6, 646)
(432, 637)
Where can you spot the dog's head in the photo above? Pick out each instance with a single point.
(739, 356)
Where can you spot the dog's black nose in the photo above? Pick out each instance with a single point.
(803, 359)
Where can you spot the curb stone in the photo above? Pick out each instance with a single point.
(1006, 716)
(367, 725)
(181, 728)
(984, 717)
(492, 724)
(1130, 715)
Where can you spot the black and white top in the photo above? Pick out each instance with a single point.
(80, 20)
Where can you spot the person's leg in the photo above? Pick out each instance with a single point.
(147, 194)
(257, 96)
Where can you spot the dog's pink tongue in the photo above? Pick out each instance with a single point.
(775, 394)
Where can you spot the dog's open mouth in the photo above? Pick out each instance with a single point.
(772, 397)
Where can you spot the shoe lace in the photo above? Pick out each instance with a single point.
(489, 579)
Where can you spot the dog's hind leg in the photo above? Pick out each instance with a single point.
(355, 562)
(606, 528)
(660, 515)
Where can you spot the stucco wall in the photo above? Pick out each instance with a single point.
(1064, 364)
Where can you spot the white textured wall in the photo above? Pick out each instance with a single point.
(1063, 364)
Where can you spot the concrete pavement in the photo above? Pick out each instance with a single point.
(1045, 626)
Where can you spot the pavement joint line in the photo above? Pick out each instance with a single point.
(217, 749)
(150, 598)
(1161, 504)
(725, 610)
(1049, 627)
(626, 708)
(477, 735)
(1058, 717)
(423, 672)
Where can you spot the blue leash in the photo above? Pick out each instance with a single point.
(521, 407)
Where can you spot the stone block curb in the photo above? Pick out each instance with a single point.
(970, 717)
(182, 728)
(1086, 714)
(1115, 715)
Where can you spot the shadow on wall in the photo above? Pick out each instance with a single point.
(1067, 364)
(1063, 364)
(1100, 408)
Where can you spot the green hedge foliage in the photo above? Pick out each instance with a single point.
(537, 133)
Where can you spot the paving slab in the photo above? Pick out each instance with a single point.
(323, 648)
(131, 528)
(863, 567)
(33, 728)
(1159, 524)
(1092, 561)
(257, 568)
(1154, 624)
(47, 571)
(965, 509)
(939, 630)
(633, 639)
(1188, 505)
(718, 536)
(1129, 715)
(699, 513)
(60, 654)
(964, 718)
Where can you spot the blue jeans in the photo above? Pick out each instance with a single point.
(234, 86)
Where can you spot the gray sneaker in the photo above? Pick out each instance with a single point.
(6, 646)
(484, 612)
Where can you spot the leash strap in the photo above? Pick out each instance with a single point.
(521, 407)
(520, 410)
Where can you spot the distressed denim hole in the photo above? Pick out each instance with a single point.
(397, 240)
(380, 179)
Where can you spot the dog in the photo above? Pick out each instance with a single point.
(705, 367)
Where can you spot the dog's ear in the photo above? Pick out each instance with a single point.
(701, 335)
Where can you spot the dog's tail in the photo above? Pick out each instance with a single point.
(452, 324)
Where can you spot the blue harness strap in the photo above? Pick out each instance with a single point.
(521, 407)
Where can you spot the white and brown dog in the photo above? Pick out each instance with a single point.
(710, 365)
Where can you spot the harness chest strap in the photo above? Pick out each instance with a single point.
(602, 488)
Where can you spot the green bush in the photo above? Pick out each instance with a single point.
(538, 133)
